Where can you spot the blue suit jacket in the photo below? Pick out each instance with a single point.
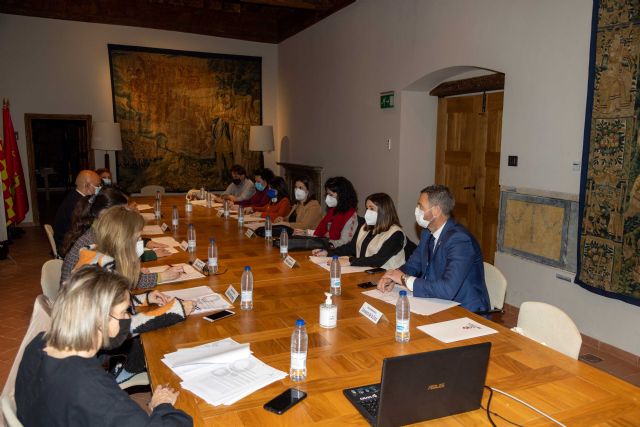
(456, 271)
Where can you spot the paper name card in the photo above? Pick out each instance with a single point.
(219, 213)
(199, 265)
(289, 261)
(457, 330)
(164, 226)
(249, 233)
(184, 245)
(231, 294)
(370, 312)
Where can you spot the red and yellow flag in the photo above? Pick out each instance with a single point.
(14, 192)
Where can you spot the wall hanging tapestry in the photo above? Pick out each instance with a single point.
(609, 234)
(184, 116)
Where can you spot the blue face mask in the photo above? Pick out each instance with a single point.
(259, 186)
(271, 193)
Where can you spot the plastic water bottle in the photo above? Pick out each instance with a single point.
(299, 345)
(191, 237)
(175, 218)
(284, 244)
(246, 289)
(240, 216)
(403, 314)
(213, 256)
(226, 209)
(188, 207)
(203, 193)
(209, 198)
(336, 288)
(158, 207)
(267, 228)
(159, 197)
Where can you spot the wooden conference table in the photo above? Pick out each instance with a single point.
(351, 354)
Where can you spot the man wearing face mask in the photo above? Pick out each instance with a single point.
(87, 183)
(241, 187)
(448, 262)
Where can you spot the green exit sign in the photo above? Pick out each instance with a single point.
(386, 100)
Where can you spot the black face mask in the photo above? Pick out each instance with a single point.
(236, 181)
(123, 333)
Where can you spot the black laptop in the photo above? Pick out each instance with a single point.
(424, 386)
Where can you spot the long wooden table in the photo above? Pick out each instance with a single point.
(351, 354)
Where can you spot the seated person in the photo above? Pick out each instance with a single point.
(82, 233)
(260, 197)
(380, 241)
(105, 176)
(341, 220)
(279, 204)
(306, 213)
(60, 382)
(241, 187)
(448, 262)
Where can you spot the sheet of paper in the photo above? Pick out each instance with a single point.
(457, 330)
(252, 219)
(214, 353)
(423, 306)
(144, 207)
(205, 298)
(169, 241)
(189, 273)
(253, 225)
(168, 249)
(150, 230)
(148, 216)
(322, 261)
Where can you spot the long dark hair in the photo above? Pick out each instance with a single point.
(87, 210)
(278, 184)
(347, 197)
(387, 215)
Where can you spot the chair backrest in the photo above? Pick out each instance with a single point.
(150, 190)
(550, 325)
(49, 230)
(9, 411)
(50, 278)
(40, 321)
(496, 286)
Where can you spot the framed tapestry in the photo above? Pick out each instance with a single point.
(184, 116)
(609, 234)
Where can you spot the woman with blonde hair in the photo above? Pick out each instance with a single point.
(60, 381)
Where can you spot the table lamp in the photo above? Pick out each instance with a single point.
(106, 136)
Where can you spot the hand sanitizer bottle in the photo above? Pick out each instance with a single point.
(328, 313)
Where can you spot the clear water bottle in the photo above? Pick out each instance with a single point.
(213, 256)
(191, 238)
(336, 288)
(226, 209)
(159, 197)
(268, 234)
(209, 198)
(203, 193)
(240, 216)
(299, 346)
(157, 208)
(175, 218)
(188, 207)
(284, 244)
(246, 289)
(403, 314)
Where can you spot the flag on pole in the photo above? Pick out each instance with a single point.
(14, 192)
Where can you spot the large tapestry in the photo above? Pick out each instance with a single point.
(609, 245)
(184, 116)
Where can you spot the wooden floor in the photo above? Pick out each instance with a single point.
(20, 284)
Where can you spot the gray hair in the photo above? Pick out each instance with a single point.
(440, 195)
(82, 309)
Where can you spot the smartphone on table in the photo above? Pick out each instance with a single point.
(375, 270)
(284, 401)
(219, 315)
(367, 285)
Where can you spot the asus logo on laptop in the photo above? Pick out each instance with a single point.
(435, 386)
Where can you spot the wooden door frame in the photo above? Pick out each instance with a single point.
(28, 118)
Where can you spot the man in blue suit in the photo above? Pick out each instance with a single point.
(448, 262)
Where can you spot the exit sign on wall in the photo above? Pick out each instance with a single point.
(386, 100)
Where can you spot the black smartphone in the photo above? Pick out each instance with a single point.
(375, 270)
(281, 403)
(219, 315)
(367, 285)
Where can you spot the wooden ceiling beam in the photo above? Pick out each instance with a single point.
(472, 85)
(319, 5)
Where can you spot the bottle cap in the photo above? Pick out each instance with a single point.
(403, 293)
(335, 257)
(299, 322)
(328, 300)
(247, 268)
(212, 240)
(268, 217)
(175, 207)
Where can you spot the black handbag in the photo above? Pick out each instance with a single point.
(276, 230)
(305, 243)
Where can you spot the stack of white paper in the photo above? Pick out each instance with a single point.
(205, 299)
(456, 330)
(148, 216)
(221, 372)
(143, 207)
(323, 261)
(169, 241)
(149, 230)
(188, 273)
(423, 306)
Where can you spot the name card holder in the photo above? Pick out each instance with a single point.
(164, 226)
(184, 245)
(370, 312)
(290, 262)
(249, 233)
(231, 293)
(199, 265)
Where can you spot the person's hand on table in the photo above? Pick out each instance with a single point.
(248, 210)
(163, 394)
(319, 252)
(153, 245)
(389, 280)
(299, 232)
(161, 252)
(144, 270)
(171, 273)
(277, 220)
(157, 297)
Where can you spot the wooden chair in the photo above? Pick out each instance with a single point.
(54, 249)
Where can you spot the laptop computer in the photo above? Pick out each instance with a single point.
(424, 386)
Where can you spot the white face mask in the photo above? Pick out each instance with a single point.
(370, 217)
(139, 248)
(106, 181)
(300, 194)
(331, 201)
(420, 218)
(96, 189)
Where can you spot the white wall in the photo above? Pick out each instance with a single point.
(62, 67)
(331, 74)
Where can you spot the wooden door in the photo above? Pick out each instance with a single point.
(468, 162)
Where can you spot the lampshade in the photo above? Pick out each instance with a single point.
(106, 136)
(261, 138)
